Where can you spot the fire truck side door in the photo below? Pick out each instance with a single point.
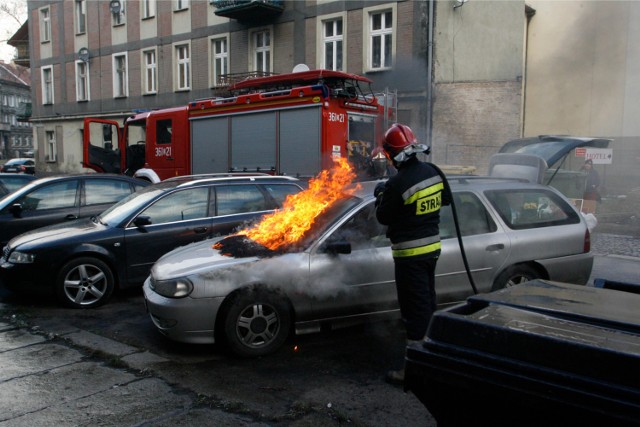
(101, 145)
(167, 139)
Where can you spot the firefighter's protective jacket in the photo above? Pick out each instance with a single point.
(410, 206)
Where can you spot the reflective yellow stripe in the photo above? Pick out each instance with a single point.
(420, 250)
(424, 193)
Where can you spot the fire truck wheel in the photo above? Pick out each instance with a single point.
(256, 322)
(515, 275)
(85, 282)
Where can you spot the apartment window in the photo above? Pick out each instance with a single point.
(261, 48)
(51, 151)
(150, 77)
(332, 44)
(47, 85)
(182, 4)
(148, 8)
(82, 81)
(381, 39)
(81, 16)
(120, 82)
(220, 60)
(45, 25)
(118, 13)
(183, 67)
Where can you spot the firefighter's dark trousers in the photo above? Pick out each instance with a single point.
(415, 283)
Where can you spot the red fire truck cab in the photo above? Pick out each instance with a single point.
(288, 124)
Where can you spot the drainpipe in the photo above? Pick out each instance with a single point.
(430, 75)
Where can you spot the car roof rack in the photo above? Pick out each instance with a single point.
(216, 175)
(463, 179)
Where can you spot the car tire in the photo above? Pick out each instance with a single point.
(256, 322)
(85, 282)
(515, 275)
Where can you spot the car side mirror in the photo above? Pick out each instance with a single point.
(142, 220)
(16, 210)
(341, 247)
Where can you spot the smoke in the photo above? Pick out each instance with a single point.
(302, 275)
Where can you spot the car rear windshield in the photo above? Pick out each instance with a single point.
(521, 209)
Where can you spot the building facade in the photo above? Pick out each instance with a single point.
(16, 135)
(456, 66)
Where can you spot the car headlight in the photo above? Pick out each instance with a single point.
(17, 257)
(174, 288)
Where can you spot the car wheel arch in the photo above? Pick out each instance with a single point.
(531, 268)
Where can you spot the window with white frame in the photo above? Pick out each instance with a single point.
(332, 44)
(182, 4)
(261, 48)
(150, 76)
(219, 60)
(82, 81)
(47, 85)
(380, 52)
(120, 81)
(148, 8)
(45, 25)
(118, 14)
(51, 151)
(183, 68)
(81, 16)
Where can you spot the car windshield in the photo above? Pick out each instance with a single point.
(328, 218)
(132, 203)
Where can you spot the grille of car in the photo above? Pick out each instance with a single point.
(5, 252)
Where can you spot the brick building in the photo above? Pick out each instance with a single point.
(457, 67)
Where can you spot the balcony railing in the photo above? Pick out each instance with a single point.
(23, 112)
(248, 10)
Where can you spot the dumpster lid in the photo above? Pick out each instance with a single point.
(540, 325)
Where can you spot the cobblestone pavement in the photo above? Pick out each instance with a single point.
(612, 244)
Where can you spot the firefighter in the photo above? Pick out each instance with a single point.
(409, 204)
(380, 164)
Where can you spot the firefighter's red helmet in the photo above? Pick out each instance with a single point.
(397, 138)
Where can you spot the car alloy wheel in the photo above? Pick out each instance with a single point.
(85, 283)
(256, 323)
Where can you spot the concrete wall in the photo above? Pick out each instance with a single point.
(479, 51)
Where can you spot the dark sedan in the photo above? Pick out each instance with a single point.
(19, 166)
(10, 182)
(53, 200)
(82, 262)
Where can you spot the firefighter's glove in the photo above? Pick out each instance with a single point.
(377, 192)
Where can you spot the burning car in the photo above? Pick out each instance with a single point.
(251, 291)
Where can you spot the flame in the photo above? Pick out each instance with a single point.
(287, 225)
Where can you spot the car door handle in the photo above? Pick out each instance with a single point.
(200, 230)
(70, 217)
(495, 247)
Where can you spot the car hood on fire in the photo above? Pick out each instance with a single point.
(192, 259)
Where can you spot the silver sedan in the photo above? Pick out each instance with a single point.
(341, 272)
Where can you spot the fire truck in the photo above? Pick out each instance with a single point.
(287, 124)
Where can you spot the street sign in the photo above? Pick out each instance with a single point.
(599, 156)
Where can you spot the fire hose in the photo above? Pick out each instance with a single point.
(454, 214)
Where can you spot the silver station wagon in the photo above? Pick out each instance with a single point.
(342, 271)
